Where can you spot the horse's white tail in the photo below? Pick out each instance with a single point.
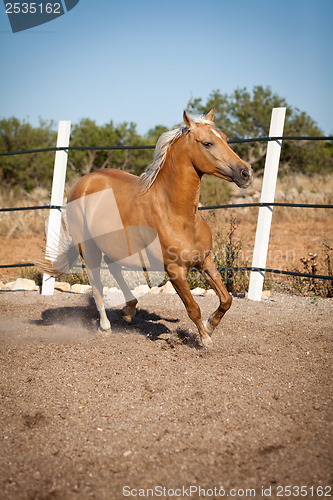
(60, 258)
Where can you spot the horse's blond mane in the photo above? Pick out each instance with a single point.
(148, 177)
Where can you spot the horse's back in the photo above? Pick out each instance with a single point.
(118, 180)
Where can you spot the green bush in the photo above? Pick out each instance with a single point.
(227, 253)
(213, 191)
(314, 287)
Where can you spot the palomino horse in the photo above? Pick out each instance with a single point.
(164, 199)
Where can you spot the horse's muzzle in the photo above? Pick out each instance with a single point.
(244, 177)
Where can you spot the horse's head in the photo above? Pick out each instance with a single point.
(211, 154)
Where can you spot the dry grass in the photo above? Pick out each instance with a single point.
(322, 184)
(290, 189)
(312, 263)
(314, 184)
(27, 222)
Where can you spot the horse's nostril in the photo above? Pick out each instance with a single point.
(245, 174)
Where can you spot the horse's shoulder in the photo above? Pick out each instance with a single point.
(203, 229)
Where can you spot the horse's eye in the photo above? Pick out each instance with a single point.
(207, 144)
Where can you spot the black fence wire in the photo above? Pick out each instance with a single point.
(214, 207)
(37, 207)
(211, 207)
(225, 269)
(116, 148)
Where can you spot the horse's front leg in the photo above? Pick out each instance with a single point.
(178, 279)
(212, 275)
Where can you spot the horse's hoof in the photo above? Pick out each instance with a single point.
(206, 342)
(104, 333)
(126, 316)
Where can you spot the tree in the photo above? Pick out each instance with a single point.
(87, 133)
(245, 114)
(155, 133)
(309, 157)
(84, 133)
(26, 170)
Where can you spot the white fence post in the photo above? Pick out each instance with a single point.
(267, 196)
(57, 198)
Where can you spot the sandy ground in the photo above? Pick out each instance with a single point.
(146, 412)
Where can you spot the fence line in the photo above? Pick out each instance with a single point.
(277, 271)
(214, 207)
(211, 207)
(37, 207)
(120, 148)
(241, 268)
(9, 266)
(266, 204)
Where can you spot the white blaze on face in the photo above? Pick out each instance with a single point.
(216, 133)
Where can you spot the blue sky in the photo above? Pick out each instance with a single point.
(140, 61)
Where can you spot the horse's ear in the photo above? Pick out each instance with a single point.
(188, 121)
(210, 115)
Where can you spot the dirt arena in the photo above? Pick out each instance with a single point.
(146, 413)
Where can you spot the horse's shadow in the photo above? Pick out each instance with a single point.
(150, 325)
(83, 316)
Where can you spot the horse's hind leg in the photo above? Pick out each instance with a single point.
(212, 275)
(128, 311)
(178, 279)
(92, 256)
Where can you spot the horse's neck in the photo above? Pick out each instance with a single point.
(178, 184)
